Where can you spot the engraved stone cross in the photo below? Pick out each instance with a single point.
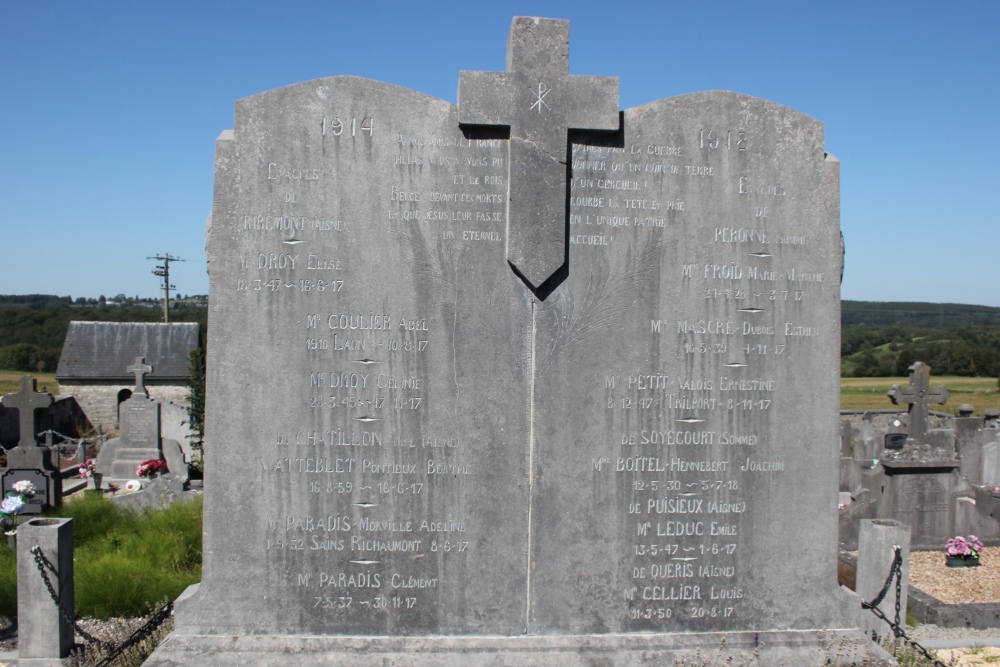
(919, 394)
(26, 401)
(540, 101)
(140, 368)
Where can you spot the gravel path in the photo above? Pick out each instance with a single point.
(957, 585)
(112, 630)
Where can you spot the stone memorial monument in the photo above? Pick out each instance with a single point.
(525, 380)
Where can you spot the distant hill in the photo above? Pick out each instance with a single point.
(917, 314)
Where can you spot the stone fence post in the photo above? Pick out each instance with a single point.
(44, 635)
(876, 549)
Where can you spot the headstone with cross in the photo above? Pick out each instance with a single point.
(544, 398)
(29, 460)
(918, 394)
(540, 101)
(26, 401)
(140, 368)
(140, 432)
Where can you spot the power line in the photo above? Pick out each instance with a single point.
(163, 271)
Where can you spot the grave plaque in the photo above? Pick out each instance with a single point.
(140, 422)
(39, 500)
(419, 455)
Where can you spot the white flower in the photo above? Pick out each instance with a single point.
(133, 485)
(24, 487)
(11, 505)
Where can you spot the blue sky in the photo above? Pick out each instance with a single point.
(110, 111)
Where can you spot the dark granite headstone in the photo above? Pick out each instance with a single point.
(418, 458)
(27, 401)
(29, 460)
(918, 394)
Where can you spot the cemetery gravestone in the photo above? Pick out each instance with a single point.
(991, 464)
(139, 440)
(29, 461)
(27, 400)
(421, 454)
(919, 395)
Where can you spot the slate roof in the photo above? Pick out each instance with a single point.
(103, 350)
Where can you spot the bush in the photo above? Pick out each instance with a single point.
(28, 358)
(125, 561)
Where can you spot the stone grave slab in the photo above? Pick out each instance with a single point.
(422, 455)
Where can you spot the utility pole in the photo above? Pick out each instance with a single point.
(164, 272)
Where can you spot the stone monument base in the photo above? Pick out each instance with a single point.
(842, 647)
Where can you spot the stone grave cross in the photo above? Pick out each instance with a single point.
(140, 368)
(540, 101)
(27, 400)
(918, 394)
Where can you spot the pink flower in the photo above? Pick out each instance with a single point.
(150, 467)
(959, 546)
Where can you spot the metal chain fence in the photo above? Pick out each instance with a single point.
(896, 573)
(163, 613)
(112, 651)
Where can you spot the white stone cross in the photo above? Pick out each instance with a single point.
(140, 368)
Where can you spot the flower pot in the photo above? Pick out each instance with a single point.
(95, 479)
(12, 542)
(961, 561)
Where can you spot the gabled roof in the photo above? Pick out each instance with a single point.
(103, 350)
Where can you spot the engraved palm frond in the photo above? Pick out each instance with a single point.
(496, 322)
(606, 298)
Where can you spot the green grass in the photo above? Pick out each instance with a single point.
(9, 381)
(870, 393)
(125, 561)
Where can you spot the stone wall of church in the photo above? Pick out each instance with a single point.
(100, 401)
